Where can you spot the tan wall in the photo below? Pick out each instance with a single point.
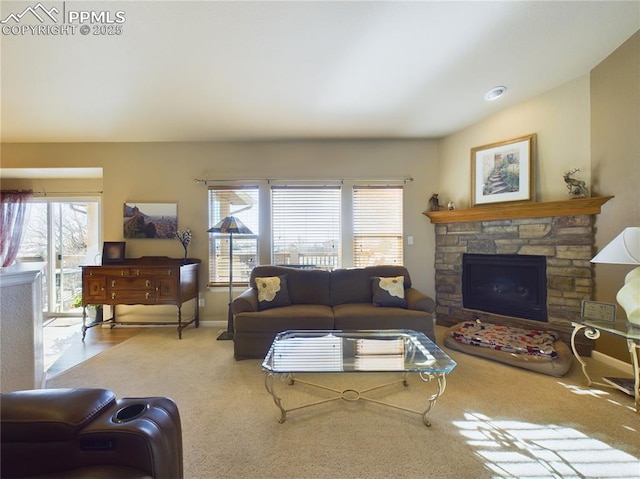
(615, 165)
(165, 172)
(560, 119)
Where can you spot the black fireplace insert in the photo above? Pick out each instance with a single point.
(510, 285)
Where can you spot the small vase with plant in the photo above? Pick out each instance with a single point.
(184, 236)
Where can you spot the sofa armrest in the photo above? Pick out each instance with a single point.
(419, 301)
(246, 302)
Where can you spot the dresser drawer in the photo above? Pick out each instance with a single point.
(161, 272)
(133, 297)
(130, 283)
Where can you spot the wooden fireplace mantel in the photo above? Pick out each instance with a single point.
(578, 206)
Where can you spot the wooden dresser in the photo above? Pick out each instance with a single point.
(150, 280)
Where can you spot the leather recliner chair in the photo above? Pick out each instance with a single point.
(78, 433)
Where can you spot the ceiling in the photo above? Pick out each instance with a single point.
(232, 70)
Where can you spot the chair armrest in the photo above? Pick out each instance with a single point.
(245, 303)
(41, 415)
(419, 301)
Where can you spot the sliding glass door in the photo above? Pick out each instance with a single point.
(64, 234)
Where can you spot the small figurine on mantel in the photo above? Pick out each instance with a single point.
(434, 203)
(577, 188)
(451, 206)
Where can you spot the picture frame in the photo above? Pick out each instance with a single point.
(150, 220)
(113, 252)
(598, 311)
(504, 172)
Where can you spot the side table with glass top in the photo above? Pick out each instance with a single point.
(622, 329)
(381, 351)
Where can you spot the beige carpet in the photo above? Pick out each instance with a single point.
(493, 420)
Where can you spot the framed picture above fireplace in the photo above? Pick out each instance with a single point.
(504, 171)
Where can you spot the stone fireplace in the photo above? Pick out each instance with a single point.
(561, 232)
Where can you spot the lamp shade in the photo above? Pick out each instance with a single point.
(230, 225)
(623, 249)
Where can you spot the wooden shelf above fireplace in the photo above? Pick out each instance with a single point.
(579, 206)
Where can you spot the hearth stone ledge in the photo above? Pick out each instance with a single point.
(567, 242)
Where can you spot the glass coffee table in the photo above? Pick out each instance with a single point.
(389, 351)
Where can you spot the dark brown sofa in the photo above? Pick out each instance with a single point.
(341, 299)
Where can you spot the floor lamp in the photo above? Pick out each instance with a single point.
(230, 225)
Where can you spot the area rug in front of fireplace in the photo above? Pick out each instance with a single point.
(537, 351)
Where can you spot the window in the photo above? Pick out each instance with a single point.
(336, 225)
(62, 233)
(306, 226)
(241, 202)
(377, 225)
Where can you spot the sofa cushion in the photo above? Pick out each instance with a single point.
(296, 316)
(354, 285)
(305, 286)
(388, 292)
(272, 292)
(349, 317)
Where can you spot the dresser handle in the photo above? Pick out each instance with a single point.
(113, 295)
(137, 272)
(122, 273)
(113, 283)
(146, 296)
(147, 283)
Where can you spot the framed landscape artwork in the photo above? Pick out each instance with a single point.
(150, 220)
(504, 171)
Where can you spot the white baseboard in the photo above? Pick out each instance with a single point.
(610, 361)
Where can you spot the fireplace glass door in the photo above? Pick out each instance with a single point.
(510, 285)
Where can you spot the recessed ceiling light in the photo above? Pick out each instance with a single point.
(495, 93)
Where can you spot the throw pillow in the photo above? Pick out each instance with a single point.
(388, 292)
(272, 292)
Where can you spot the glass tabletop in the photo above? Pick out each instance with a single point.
(622, 328)
(348, 351)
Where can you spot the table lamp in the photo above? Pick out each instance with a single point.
(625, 249)
(230, 225)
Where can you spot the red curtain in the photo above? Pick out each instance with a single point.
(12, 218)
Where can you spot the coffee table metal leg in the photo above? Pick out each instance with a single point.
(269, 384)
(441, 381)
(350, 394)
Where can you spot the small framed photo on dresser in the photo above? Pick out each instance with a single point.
(113, 252)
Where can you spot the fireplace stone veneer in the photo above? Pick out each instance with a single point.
(566, 241)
